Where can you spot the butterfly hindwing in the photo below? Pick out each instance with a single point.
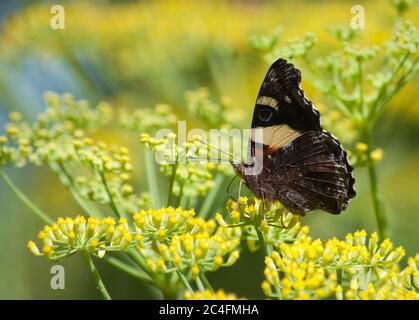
(312, 173)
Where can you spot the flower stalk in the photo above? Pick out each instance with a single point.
(24, 199)
(377, 200)
(95, 276)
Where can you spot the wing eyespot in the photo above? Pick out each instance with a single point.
(265, 114)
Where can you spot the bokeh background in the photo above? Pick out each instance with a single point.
(135, 54)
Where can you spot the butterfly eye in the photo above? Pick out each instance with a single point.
(265, 115)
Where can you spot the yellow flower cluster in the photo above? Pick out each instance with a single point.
(160, 225)
(394, 286)
(215, 115)
(102, 157)
(275, 223)
(383, 291)
(183, 163)
(352, 269)
(148, 119)
(59, 139)
(359, 155)
(183, 242)
(68, 236)
(410, 275)
(299, 280)
(196, 254)
(208, 295)
(49, 138)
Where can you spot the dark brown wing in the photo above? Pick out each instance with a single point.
(311, 173)
(281, 93)
(282, 112)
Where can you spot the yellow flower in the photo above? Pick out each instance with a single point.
(360, 146)
(377, 154)
(69, 235)
(208, 295)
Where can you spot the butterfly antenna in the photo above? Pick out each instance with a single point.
(229, 186)
(219, 150)
(209, 159)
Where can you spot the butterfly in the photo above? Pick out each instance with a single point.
(292, 159)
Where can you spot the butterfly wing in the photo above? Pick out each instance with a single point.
(311, 173)
(304, 167)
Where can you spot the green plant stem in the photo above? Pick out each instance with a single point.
(112, 203)
(95, 276)
(212, 195)
(185, 281)
(206, 283)
(152, 178)
(136, 273)
(138, 259)
(333, 91)
(339, 276)
(199, 284)
(362, 107)
(260, 236)
(25, 200)
(171, 184)
(180, 198)
(378, 205)
(401, 82)
(382, 98)
(268, 249)
(68, 181)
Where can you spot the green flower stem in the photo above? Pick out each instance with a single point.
(268, 252)
(402, 81)
(24, 199)
(260, 236)
(136, 273)
(171, 184)
(339, 276)
(185, 281)
(363, 108)
(269, 249)
(95, 276)
(206, 283)
(68, 181)
(166, 290)
(199, 284)
(382, 98)
(212, 195)
(152, 178)
(181, 197)
(108, 192)
(377, 200)
(334, 93)
(138, 259)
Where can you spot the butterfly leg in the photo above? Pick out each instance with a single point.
(264, 205)
(238, 196)
(282, 221)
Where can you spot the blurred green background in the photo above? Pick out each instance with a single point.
(138, 53)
